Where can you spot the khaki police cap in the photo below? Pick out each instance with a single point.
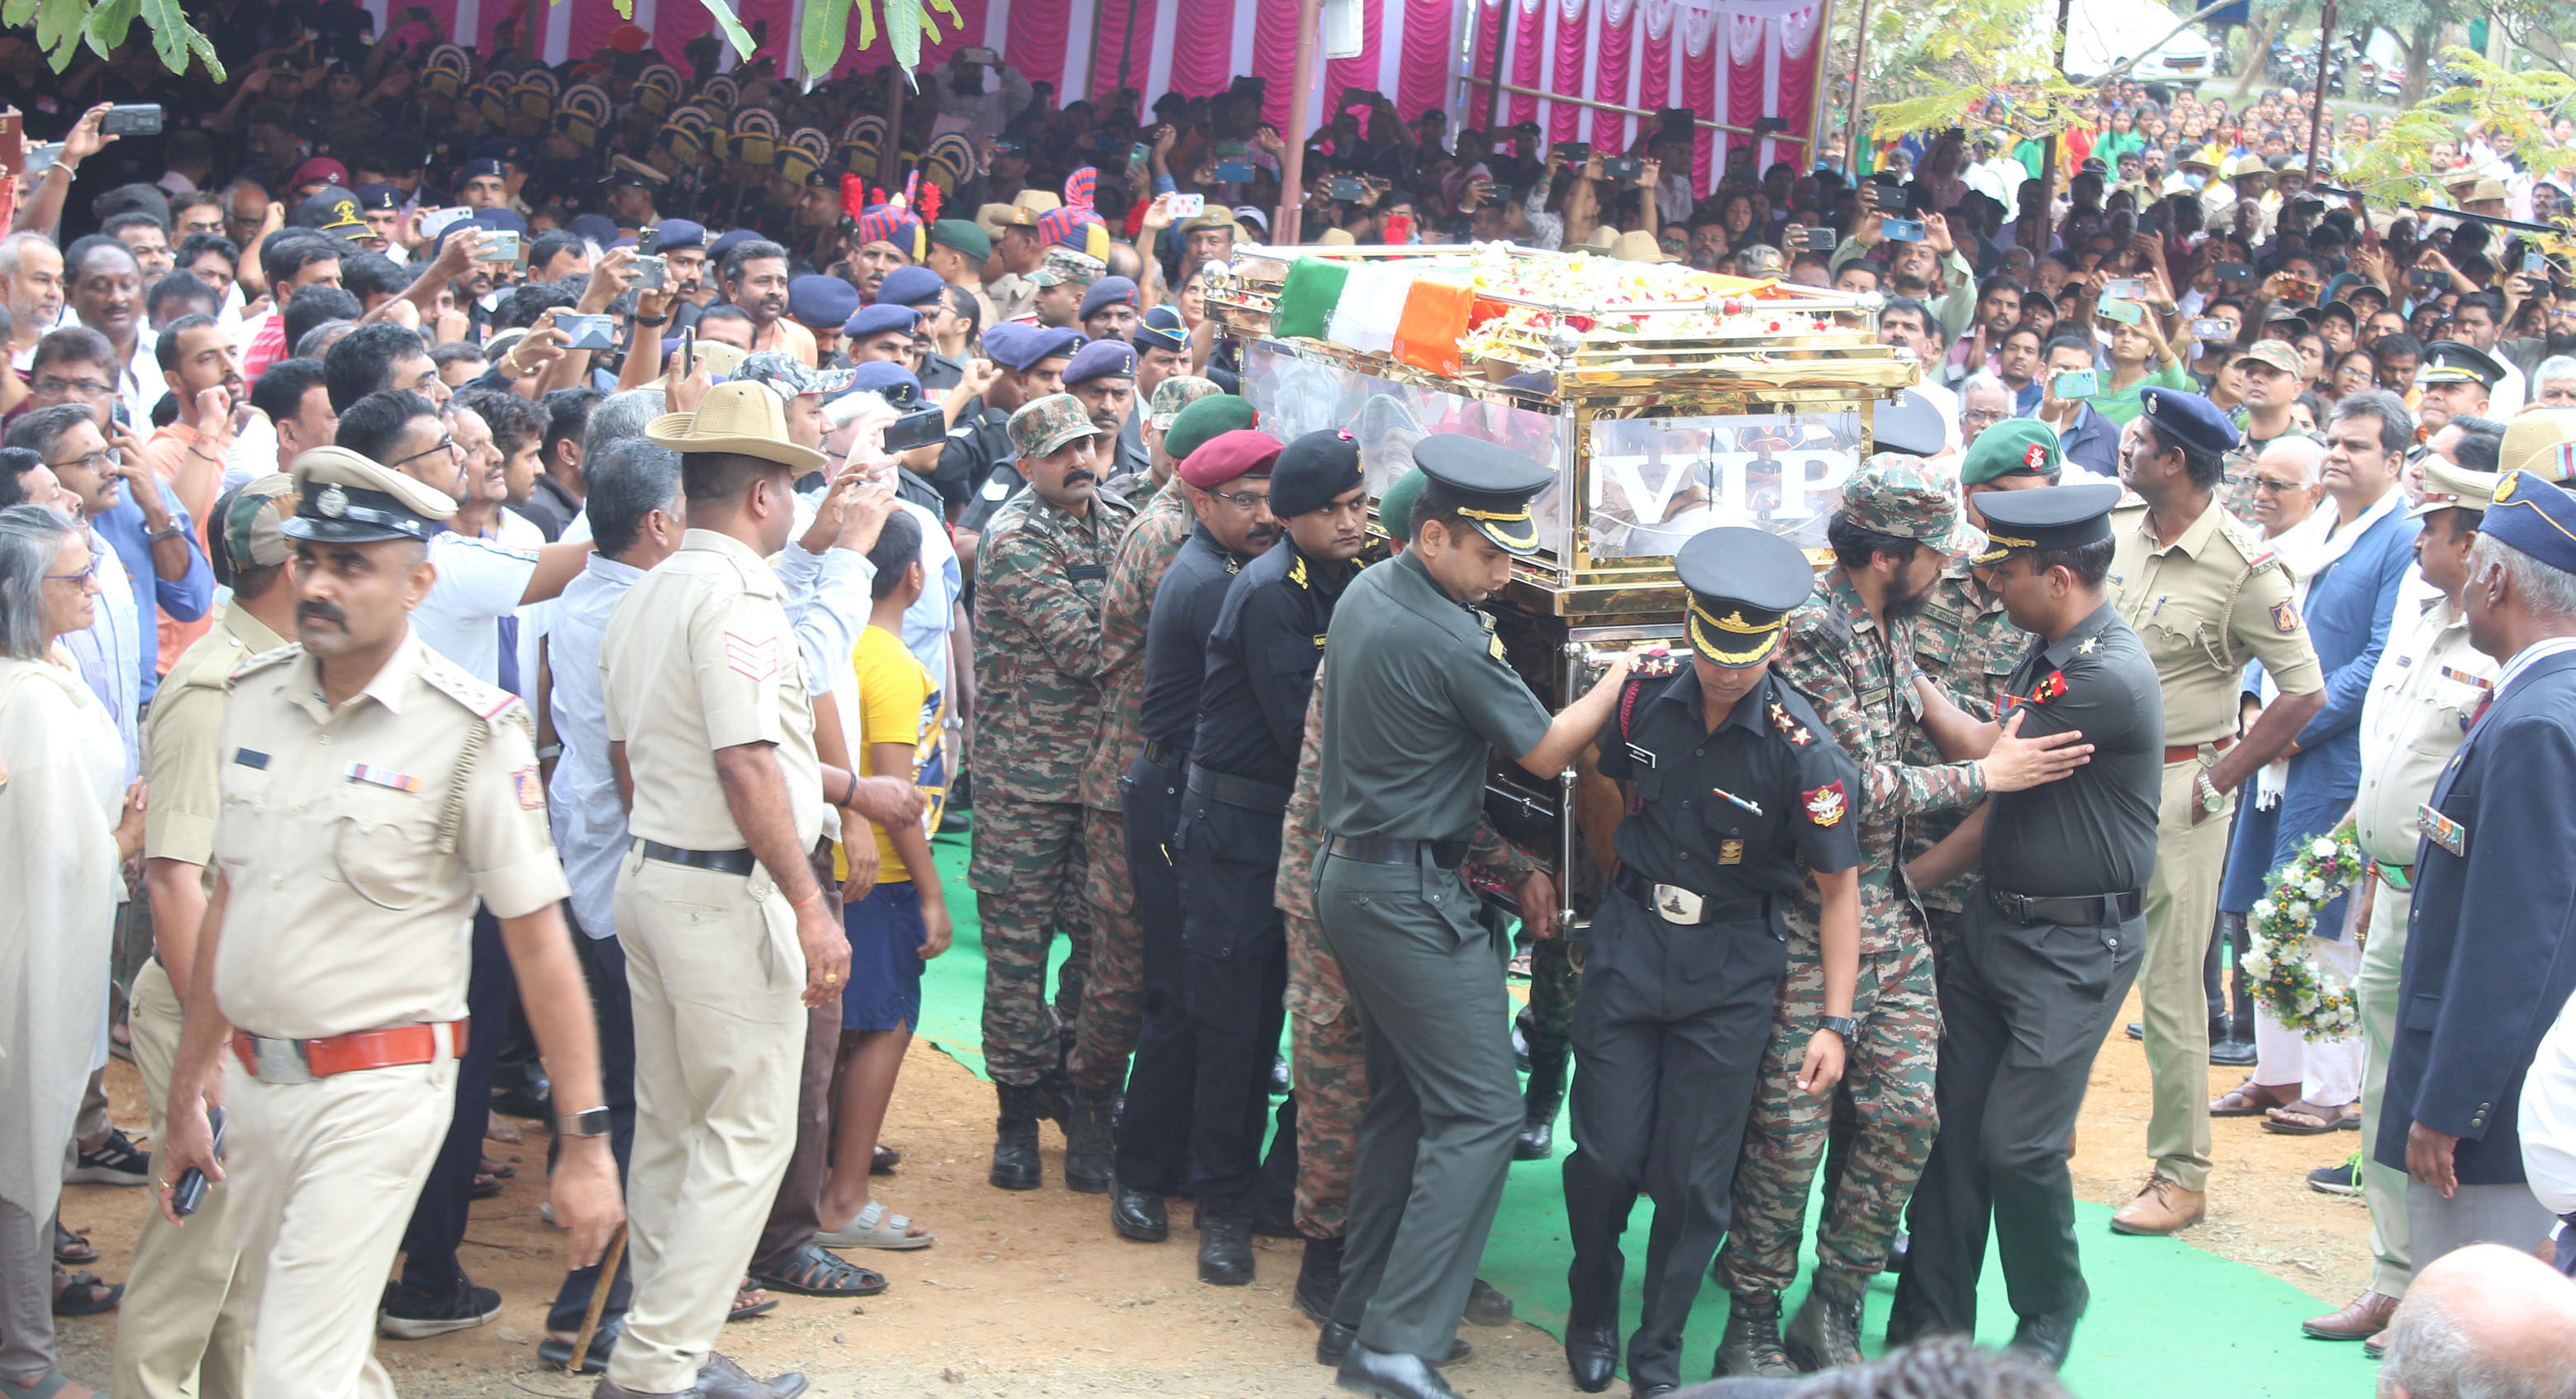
(2448, 486)
(2541, 441)
(347, 499)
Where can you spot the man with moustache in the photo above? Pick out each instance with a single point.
(104, 285)
(754, 277)
(212, 437)
(1103, 375)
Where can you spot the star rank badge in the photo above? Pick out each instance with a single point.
(1730, 852)
(1789, 728)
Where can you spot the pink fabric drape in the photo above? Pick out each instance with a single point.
(1489, 32)
(1610, 78)
(1274, 57)
(1699, 93)
(1798, 104)
(1202, 45)
(952, 37)
(1422, 75)
(590, 26)
(1362, 71)
(1529, 46)
(675, 24)
(1656, 60)
(1139, 43)
(1573, 35)
(1744, 93)
(1039, 39)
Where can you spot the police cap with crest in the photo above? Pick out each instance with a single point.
(2451, 362)
(2186, 417)
(1488, 485)
(2046, 517)
(1743, 585)
(1101, 359)
(2533, 517)
(346, 499)
(1910, 425)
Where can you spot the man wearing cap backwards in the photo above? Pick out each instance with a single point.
(2425, 691)
(187, 1317)
(1685, 948)
(1103, 375)
(1112, 991)
(1044, 564)
(1416, 696)
(1843, 650)
(332, 967)
(1162, 1149)
(2488, 962)
(2052, 935)
(709, 718)
(2206, 596)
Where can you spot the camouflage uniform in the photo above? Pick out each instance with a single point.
(1963, 640)
(1325, 1052)
(1113, 993)
(1040, 574)
(1841, 660)
(1553, 983)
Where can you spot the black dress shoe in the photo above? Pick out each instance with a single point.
(2232, 1052)
(2048, 1336)
(1592, 1354)
(1137, 1214)
(1334, 1343)
(1656, 1390)
(1487, 1305)
(1390, 1376)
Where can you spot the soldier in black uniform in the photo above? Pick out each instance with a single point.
(1736, 793)
(1228, 480)
(2052, 933)
(1261, 657)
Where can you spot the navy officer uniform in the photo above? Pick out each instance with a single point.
(979, 468)
(2454, 362)
(2050, 940)
(2490, 950)
(1727, 812)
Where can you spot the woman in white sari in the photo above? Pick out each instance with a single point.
(66, 827)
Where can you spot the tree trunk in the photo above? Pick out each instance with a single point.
(2419, 63)
(2258, 52)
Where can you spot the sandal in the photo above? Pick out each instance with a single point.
(2306, 1119)
(872, 1227)
(749, 1301)
(53, 1384)
(498, 1170)
(2251, 1099)
(815, 1273)
(99, 1297)
(72, 1248)
(884, 1162)
(485, 1187)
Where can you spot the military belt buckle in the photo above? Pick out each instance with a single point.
(1675, 904)
(278, 1061)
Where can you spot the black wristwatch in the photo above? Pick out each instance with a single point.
(1842, 1025)
(589, 1122)
(663, 319)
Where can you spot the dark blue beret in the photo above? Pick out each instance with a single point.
(910, 286)
(879, 319)
(1101, 359)
(820, 303)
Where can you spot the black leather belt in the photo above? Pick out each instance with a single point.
(1238, 791)
(1642, 889)
(1384, 850)
(1165, 755)
(721, 861)
(2077, 911)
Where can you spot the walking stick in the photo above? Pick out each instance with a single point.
(598, 1300)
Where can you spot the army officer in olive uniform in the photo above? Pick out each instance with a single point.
(371, 792)
(1416, 698)
(1733, 782)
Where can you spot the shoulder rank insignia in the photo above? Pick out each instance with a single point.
(2285, 616)
(1297, 571)
(2087, 646)
(2446, 833)
(2050, 686)
(1826, 804)
(1494, 644)
(1789, 728)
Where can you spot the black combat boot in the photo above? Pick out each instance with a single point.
(1015, 1139)
(1088, 1150)
(1826, 1331)
(1225, 1239)
(1539, 1102)
(1751, 1345)
(1319, 1279)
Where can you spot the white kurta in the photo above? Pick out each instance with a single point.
(58, 814)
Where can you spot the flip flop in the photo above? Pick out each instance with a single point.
(872, 1227)
(885, 1160)
(745, 1311)
(2305, 1119)
(98, 1297)
(72, 1248)
(2251, 1099)
(45, 1386)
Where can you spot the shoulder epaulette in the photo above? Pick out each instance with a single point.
(487, 702)
(275, 655)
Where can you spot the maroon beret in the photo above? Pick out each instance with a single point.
(1222, 458)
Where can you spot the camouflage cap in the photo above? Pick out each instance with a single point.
(1176, 393)
(1043, 425)
(1896, 494)
(789, 376)
(1068, 265)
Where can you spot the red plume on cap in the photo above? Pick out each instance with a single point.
(854, 197)
(929, 206)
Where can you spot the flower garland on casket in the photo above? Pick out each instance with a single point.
(2286, 980)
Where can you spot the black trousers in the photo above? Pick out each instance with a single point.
(438, 1217)
(1153, 1138)
(603, 966)
(1234, 947)
(2023, 1010)
(1668, 1033)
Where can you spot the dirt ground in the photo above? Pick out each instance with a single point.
(1031, 1294)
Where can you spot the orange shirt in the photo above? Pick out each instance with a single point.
(196, 481)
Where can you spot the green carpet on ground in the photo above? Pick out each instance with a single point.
(2166, 1318)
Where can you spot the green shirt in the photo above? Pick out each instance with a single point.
(2122, 406)
(1416, 697)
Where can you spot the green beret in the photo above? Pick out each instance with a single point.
(1194, 425)
(2013, 447)
(964, 236)
(1395, 508)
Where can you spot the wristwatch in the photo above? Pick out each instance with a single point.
(589, 1122)
(1842, 1025)
(2212, 800)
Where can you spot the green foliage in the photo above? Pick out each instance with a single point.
(65, 26)
(2516, 106)
(907, 23)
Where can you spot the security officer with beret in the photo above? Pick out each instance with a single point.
(1733, 784)
(1416, 699)
(2205, 596)
(1227, 482)
(2054, 930)
(371, 792)
(682, 246)
(1103, 375)
(823, 305)
(879, 332)
(1109, 309)
(380, 205)
(1032, 361)
(923, 291)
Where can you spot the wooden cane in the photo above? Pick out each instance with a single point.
(598, 1300)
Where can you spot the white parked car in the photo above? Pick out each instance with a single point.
(2101, 33)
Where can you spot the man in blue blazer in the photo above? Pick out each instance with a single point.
(2491, 948)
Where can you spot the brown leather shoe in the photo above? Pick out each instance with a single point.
(2376, 1347)
(2161, 1208)
(2363, 1317)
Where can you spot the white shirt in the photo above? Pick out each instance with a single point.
(109, 655)
(2506, 397)
(2529, 656)
(2548, 1121)
(589, 819)
(139, 385)
(480, 581)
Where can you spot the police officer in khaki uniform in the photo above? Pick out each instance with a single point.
(185, 1326)
(371, 792)
(2205, 596)
(729, 935)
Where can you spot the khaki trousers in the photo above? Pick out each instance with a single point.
(717, 978)
(185, 1327)
(2182, 907)
(324, 1176)
(2383, 1188)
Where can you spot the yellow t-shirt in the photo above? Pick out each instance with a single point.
(899, 703)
